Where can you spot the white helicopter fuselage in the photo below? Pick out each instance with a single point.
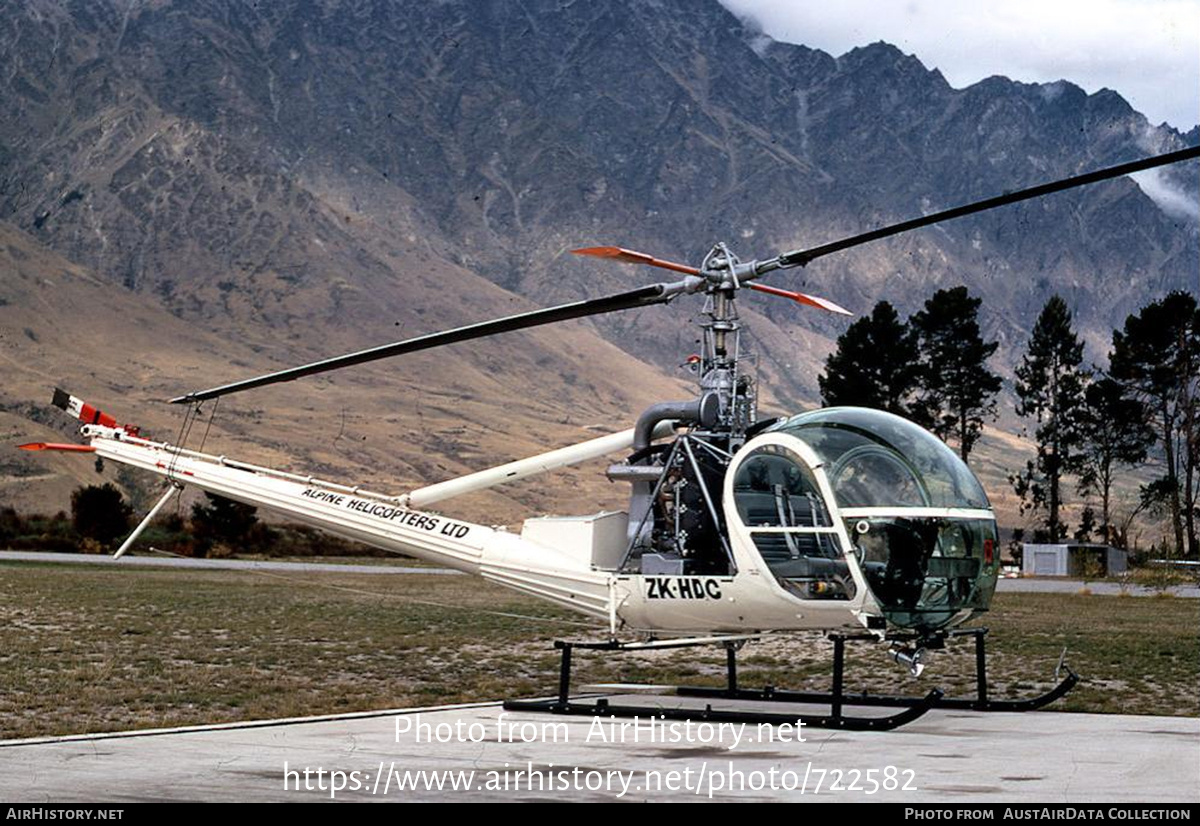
(575, 563)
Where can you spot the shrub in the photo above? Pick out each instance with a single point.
(99, 512)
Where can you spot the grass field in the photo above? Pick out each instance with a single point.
(86, 649)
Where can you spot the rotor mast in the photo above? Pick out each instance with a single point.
(721, 342)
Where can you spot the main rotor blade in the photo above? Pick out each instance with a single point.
(644, 296)
(798, 258)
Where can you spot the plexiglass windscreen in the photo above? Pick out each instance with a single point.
(926, 569)
(875, 459)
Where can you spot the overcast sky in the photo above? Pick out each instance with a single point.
(1147, 50)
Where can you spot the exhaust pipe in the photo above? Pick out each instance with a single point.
(704, 411)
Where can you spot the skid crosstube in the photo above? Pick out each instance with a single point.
(980, 702)
(603, 707)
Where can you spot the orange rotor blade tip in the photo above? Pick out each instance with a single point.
(834, 308)
(803, 298)
(821, 303)
(598, 252)
(635, 257)
(66, 448)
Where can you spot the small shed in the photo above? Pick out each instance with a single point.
(1075, 559)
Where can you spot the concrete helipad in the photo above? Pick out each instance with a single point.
(491, 755)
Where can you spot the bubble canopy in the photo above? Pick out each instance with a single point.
(879, 460)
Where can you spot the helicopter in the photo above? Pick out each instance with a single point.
(851, 521)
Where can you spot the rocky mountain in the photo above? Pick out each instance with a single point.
(291, 179)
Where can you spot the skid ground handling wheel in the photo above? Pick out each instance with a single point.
(837, 699)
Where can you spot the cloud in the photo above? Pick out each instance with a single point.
(1146, 50)
(1173, 200)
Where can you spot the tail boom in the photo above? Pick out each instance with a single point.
(374, 519)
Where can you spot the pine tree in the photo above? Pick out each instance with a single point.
(1156, 359)
(875, 364)
(1114, 433)
(222, 520)
(957, 389)
(1050, 387)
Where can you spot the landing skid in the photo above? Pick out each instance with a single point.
(603, 707)
(837, 699)
(981, 701)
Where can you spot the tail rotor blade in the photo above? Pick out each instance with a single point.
(65, 448)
